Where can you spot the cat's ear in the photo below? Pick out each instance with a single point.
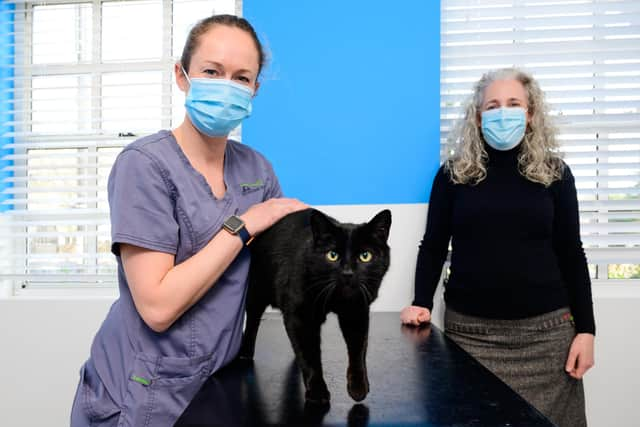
(380, 225)
(321, 225)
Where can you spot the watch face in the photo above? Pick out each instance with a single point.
(233, 223)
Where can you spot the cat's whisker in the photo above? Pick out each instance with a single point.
(323, 290)
(364, 296)
(326, 290)
(368, 295)
(317, 285)
(326, 300)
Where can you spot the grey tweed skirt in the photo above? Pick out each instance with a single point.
(529, 355)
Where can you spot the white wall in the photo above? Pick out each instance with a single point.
(44, 342)
(45, 339)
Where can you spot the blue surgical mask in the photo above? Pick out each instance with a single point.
(217, 106)
(503, 128)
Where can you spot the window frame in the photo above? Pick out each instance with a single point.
(465, 27)
(92, 283)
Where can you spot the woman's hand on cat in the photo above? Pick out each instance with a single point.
(415, 315)
(263, 215)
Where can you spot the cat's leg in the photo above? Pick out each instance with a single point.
(304, 335)
(255, 306)
(354, 324)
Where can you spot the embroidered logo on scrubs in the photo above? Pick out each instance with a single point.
(141, 380)
(247, 187)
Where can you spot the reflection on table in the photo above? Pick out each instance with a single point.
(418, 377)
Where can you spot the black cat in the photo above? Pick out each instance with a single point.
(307, 265)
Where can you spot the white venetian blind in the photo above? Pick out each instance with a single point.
(586, 56)
(85, 78)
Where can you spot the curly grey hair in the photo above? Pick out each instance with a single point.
(539, 159)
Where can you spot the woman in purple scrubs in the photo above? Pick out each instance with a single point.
(184, 203)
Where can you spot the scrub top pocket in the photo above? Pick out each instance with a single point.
(160, 389)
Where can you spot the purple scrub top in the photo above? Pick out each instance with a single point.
(160, 202)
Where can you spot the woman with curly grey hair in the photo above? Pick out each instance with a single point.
(518, 294)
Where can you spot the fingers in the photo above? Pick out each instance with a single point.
(584, 364)
(580, 358)
(293, 205)
(298, 204)
(579, 365)
(580, 371)
(283, 206)
(405, 316)
(414, 315)
(414, 321)
(424, 316)
(263, 215)
(570, 366)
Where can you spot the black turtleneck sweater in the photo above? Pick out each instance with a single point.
(516, 248)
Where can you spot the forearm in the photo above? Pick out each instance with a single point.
(576, 276)
(435, 242)
(570, 253)
(162, 292)
(428, 271)
(188, 281)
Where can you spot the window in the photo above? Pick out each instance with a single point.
(80, 80)
(586, 56)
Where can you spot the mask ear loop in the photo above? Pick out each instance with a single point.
(185, 74)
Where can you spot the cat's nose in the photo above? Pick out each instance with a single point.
(347, 271)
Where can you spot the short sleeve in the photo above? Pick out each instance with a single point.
(141, 204)
(273, 189)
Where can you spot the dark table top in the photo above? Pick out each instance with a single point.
(417, 376)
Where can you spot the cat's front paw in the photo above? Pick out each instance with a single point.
(318, 394)
(357, 384)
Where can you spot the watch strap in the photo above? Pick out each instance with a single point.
(245, 236)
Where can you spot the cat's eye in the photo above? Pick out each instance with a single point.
(333, 256)
(365, 256)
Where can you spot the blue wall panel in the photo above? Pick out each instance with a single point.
(348, 110)
(6, 94)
